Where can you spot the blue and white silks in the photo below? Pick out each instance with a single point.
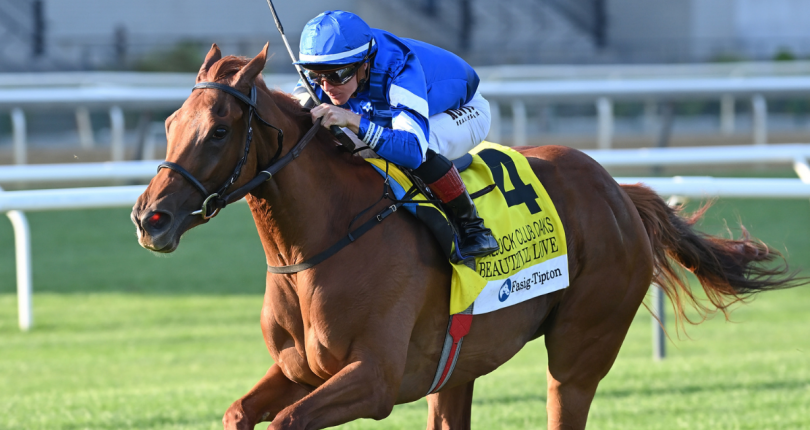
(409, 81)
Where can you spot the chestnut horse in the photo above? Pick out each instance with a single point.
(363, 330)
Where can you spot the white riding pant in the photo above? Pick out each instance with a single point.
(455, 132)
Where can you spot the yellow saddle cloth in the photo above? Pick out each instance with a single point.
(532, 259)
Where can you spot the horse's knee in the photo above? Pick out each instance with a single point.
(384, 398)
(236, 419)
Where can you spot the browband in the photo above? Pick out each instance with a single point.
(251, 101)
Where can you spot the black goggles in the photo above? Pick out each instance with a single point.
(334, 77)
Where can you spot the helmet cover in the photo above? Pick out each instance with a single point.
(335, 37)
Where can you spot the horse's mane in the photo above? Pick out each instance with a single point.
(289, 105)
(228, 66)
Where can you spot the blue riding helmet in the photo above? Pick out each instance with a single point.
(335, 37)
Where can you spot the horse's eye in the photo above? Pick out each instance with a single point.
(219, 133)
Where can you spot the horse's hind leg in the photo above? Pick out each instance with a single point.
(451, 408)
(584, 340)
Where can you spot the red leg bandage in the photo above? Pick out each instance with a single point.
(448, 187)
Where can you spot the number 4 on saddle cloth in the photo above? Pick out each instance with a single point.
(532, 259)
(514, 204)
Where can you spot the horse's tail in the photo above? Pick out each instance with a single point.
(729, 270)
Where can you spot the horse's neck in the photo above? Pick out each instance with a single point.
(309, 204)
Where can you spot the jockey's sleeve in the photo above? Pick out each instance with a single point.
(405, 143)
(302, 95)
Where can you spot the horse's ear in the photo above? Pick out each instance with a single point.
(245, 77)
(212, 57)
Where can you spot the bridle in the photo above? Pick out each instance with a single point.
(215, 201)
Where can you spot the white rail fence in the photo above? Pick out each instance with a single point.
(486, 73)
(604, 93)
(83, 97)
(15, 202)
(515, 93)
(641, 71)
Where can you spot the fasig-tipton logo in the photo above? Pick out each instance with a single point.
(506, 290)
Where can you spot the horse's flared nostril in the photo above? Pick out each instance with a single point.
(156, 222)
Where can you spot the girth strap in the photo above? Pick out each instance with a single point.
(457, 328)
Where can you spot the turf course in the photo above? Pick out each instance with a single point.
(127, 340)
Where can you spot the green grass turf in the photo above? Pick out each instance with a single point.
(125, 339)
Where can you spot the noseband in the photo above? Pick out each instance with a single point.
(215, 201)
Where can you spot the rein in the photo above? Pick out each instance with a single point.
(218, 200)
(337, 246)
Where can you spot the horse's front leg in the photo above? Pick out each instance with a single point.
(365, 388)
(270, 395)
(450, 409)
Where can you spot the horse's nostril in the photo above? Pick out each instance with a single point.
(157, 221)
(154, 219)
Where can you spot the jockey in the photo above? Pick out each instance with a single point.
(414, 104)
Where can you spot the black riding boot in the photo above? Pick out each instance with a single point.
(475, 240)
(441, 176)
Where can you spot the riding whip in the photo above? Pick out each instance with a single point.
(339, 134)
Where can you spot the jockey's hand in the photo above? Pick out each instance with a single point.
(334, 115)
